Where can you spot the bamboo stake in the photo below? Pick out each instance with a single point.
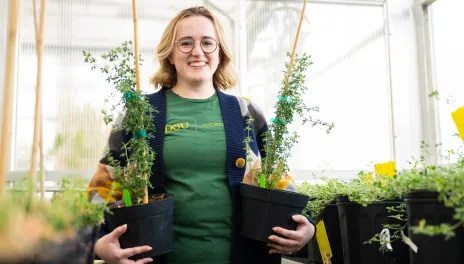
(41, 166)
(136, 45)
(41, 161)
(41, 156)
(38, 96)
(289, 70)
(137, 68)
(12, 38)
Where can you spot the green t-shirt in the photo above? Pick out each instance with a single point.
(195, 169)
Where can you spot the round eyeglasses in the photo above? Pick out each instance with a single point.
(186, 45)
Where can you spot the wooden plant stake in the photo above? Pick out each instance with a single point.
(7, 112)
(137, 67)
(289, 70)
(39, 32)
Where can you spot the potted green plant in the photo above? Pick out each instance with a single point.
(63, 230)
(363, 212)
(435, 206)
(323, 207)
(149, 222)
(266, 206)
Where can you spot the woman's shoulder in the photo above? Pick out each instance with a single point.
(250, 108)
(157, 95)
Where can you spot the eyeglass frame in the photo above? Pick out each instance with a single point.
(194, 43)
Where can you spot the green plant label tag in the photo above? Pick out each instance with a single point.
(127, 198)
(262, 181)
(141, 133)
(127, 94)
(323, 242)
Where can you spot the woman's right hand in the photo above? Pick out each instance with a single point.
(109, 250)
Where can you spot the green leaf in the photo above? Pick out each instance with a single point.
(262, 181)
(127, 198)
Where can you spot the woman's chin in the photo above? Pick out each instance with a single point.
(200, 79)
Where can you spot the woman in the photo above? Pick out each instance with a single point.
(199, 153)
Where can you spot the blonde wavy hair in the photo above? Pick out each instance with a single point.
(224, 78)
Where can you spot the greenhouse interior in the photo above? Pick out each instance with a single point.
(305, 131)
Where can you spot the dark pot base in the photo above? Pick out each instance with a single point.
(425, 205)
(263, 209)
(147, 224)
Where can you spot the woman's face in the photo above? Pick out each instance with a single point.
(195, 67)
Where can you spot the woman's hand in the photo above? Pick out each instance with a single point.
(109, 250)
(294, 240)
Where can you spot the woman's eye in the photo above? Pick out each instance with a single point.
(207, 43)
(186, 43)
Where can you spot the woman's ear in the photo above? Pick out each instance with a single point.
(170, 59)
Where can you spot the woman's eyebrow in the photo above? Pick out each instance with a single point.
(190, 37)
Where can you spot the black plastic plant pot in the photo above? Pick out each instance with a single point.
(76, 250)
(358, 224)
(433, 249)
(263, 209)
(80, 249)
(332, 225)
(147, 225)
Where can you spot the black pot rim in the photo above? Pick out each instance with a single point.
(142, 210)
(274, 195)
(345, 201)
(421, 194)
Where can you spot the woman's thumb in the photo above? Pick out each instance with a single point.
(298, 218)
(119, 231)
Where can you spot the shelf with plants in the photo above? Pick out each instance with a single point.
(413, 215)
(434, 207)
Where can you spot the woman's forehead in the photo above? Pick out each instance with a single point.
(195, 27)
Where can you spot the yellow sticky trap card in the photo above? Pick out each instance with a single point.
(387, 169)
(458, 117)
(323, 242)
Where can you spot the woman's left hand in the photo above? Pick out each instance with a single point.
(294, 240)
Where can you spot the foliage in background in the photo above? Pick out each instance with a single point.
(449, 183)
(397, 229)
(73, 200)
(447, 180)
(133, 172)
(25, 223)
(321, 195)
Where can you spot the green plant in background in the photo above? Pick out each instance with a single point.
(446, 180)
(365, 192)
(72, 200)
(279, 140)
(133, 173)
(35, 221)
(449, 183)
(397, 229)
(321, 195)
